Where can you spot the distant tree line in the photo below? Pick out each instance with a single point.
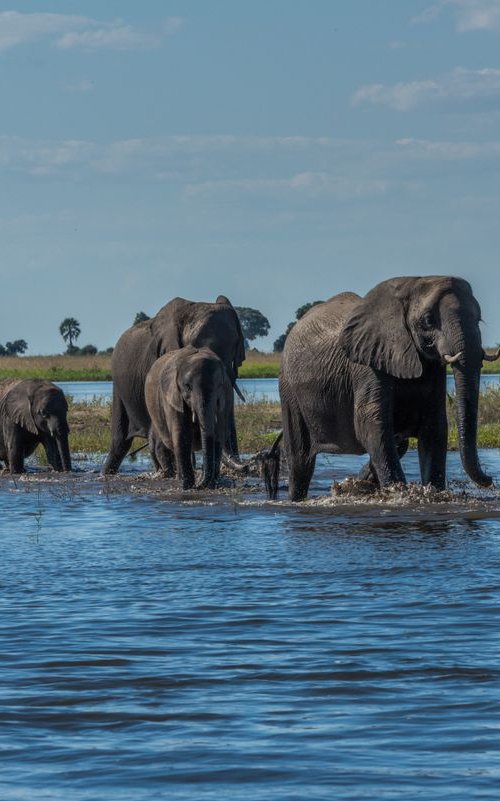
(70, 331)
(253, 324)
(14, 348)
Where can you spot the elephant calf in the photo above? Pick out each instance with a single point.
(33, 411)
(189, 399)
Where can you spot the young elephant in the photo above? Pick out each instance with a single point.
(33, 411)
(189, 399)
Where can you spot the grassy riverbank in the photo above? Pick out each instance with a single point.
(98, 367)
(90, 425)
(257, 424)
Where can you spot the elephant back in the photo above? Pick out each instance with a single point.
(6, 385)
(214, 325)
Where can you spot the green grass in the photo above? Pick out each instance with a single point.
(98, 367)
(259, 370)
(57, 368)
(90, 425)
(257, 423)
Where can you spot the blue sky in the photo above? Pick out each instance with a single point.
(276, 152)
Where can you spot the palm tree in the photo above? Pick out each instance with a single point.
(70, 331)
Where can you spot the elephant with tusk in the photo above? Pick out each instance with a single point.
(362, 375)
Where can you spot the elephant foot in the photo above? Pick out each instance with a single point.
(204, 485)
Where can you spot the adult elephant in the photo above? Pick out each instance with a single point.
(33, 411)
(362, 375)
(178, 324)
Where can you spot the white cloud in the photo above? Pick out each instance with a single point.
(457, 88)
(173, 25)
(470, 15)
(81, 86)
(450, 151)
(305, 183)
(199, 165)
(17, 29)
(114, 37)
(68, 31)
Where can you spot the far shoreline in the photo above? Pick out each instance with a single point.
(98, 367)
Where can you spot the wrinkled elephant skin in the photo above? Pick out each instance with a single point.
(362, 375)
(33, 411)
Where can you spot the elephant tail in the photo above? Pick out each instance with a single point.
(270, 467)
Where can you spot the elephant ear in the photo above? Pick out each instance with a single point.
(17, 406)
(239, 352)
(167, 325)
(170, 386)
(376, 334)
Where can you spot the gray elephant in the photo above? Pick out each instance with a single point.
(362, 375)
(179, 323)
(33, 411)
(189, 399)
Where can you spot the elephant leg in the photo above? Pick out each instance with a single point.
(183, 442)
(52, 454)
(385, 460)
(120, 441)
(300, 461)
(299, 477)
(375, 432)
(162, 457)
(432, 448)
(232, 439)
(218, 458)
(368, 473)
(15, 452)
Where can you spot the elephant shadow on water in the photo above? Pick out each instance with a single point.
(363, 375)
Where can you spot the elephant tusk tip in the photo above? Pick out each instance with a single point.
(452, 359)
(239, 393)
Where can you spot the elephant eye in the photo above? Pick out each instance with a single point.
(427, 320)
(189, 388)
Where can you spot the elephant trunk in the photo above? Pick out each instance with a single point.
(467, 393)
(63, 449)
(209, 472)
(207, 421)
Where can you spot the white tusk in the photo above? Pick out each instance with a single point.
(239, 392)
(194, 418)
(452, 359)
(487, 357)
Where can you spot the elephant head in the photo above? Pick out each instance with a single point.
(197, 381)
(210, 325)
(404, 323)
(41, 408)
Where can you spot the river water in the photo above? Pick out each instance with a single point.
(252, 388)
(182, 646)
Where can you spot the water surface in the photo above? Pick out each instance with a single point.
(161, 645)
(255, 389)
